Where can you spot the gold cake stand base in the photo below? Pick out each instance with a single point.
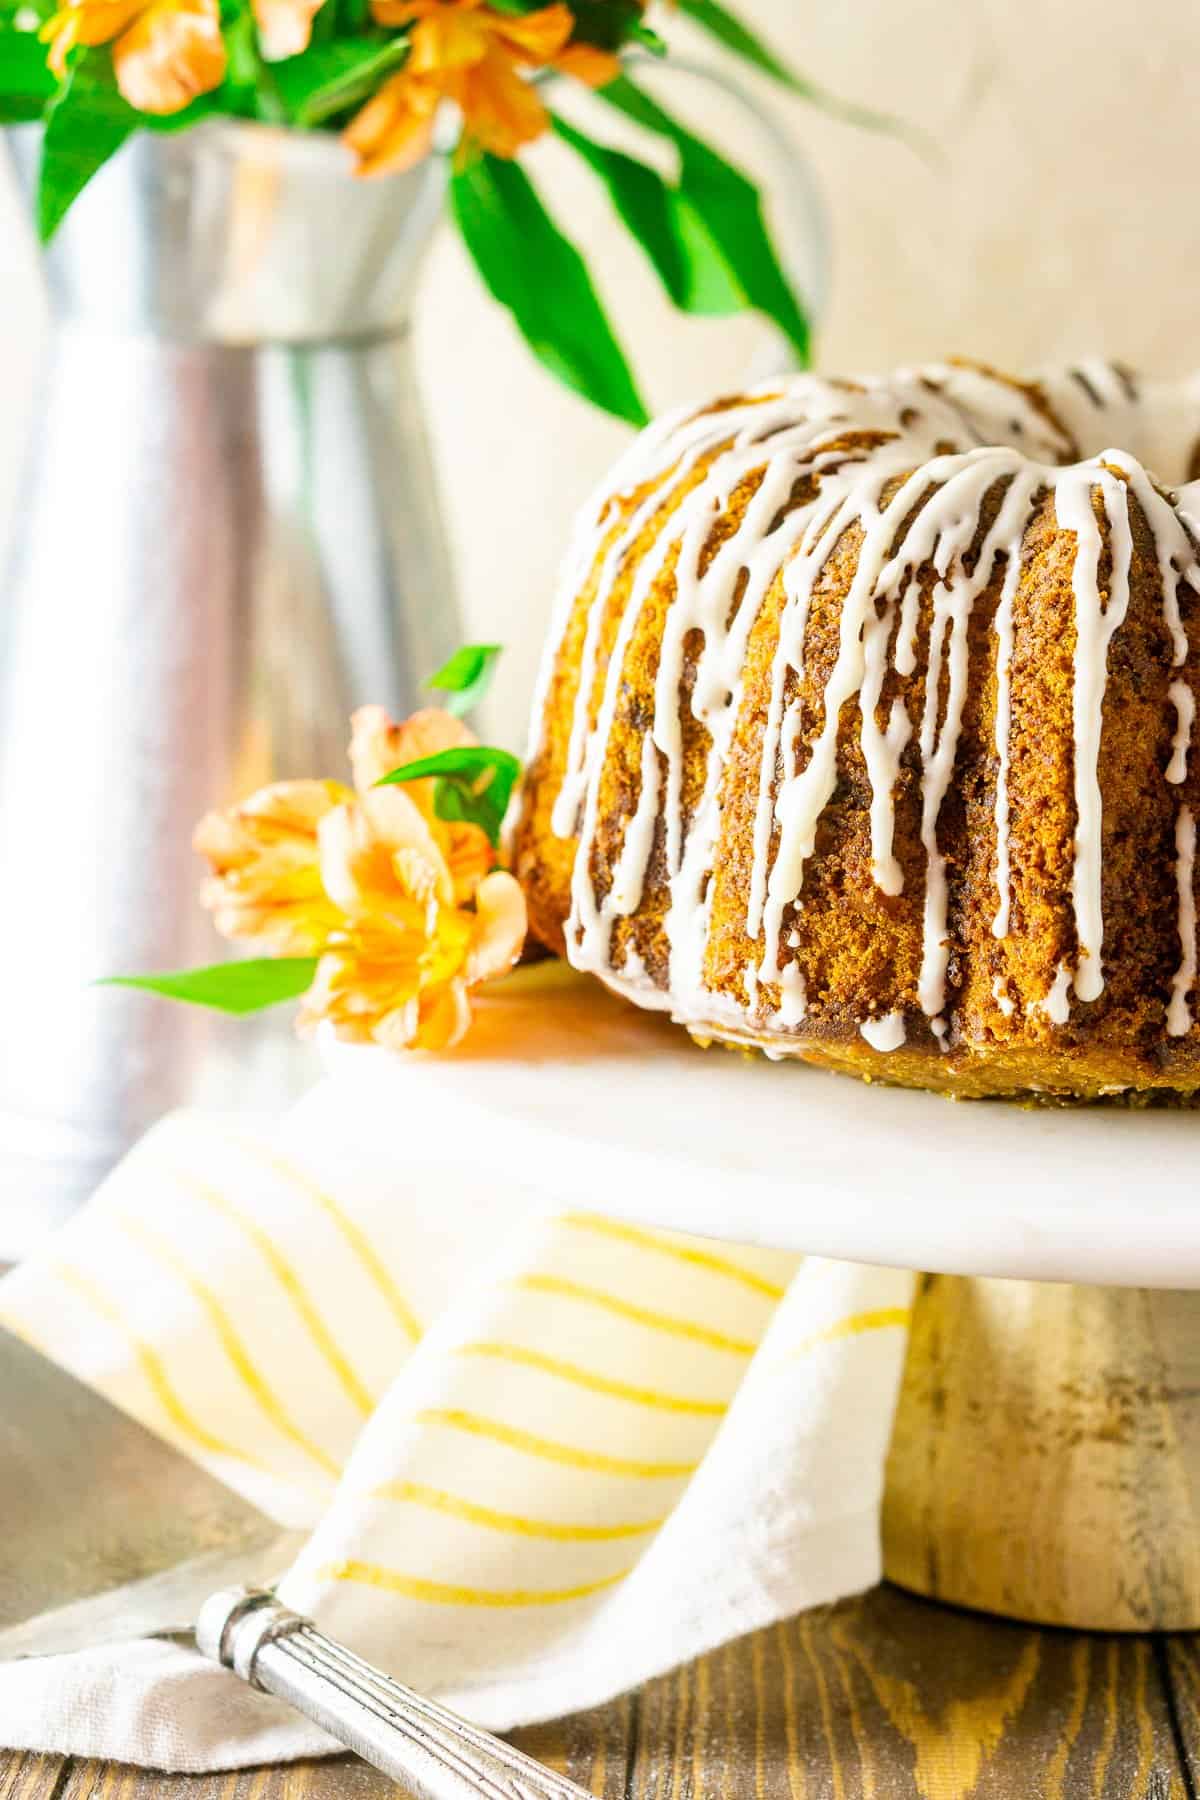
(1045, 1462)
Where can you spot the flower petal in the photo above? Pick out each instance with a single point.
(285, 26)
(584, 62)
(377, 746)
(469, 857)
(356, 870)
(502, 111)
(400, 12)
(286, 812)
(394, 130)
(266, 880)
(443, 1018)
(170, 55)
(500, 927)
(449, 38)
(536, 37)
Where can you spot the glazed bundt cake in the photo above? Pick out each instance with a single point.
(865, 731)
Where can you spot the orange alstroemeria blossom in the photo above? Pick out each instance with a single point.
(265, 886)
(584, 62)
(284, 26)
(165, 54)
(467, 52)
(377, 747)
(394, 130)
(459, 34)
(407, 912)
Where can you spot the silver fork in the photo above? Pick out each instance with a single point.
(433, 1752)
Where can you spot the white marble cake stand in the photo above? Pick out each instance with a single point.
(1045, 1461)
(780, 1154)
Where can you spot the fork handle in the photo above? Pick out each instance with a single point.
(431, 1751)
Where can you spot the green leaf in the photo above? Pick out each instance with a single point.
(606, 23)
(729, 31)
(20, 109)
(539, 275)
(26, 84)
(668, 227)
(330, 78)
(474, 784)
(649, 39)
(87, 123)
(643, 202)
(726, 209)
(232, 987)
(467, 677)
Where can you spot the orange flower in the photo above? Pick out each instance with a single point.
(165, 54)
(284, 26)
(394, 130)
(464, 51)
(584, 62)
(406, 911)
(377, 747)
(460, 34)
(266, 881)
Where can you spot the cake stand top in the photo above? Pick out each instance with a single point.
(579, 1091)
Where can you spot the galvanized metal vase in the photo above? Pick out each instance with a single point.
(228, 538)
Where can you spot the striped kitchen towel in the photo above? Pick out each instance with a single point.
(544, 1455)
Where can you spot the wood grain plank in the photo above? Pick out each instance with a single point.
(887, 1697)
(26, 1776)
(1180, 1658)
(884, 1697)
(594, 1748)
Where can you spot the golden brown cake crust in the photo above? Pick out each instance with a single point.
(864, 734)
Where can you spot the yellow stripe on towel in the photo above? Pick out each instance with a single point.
(685, 1253)
(230, 1340)
(292, 1286)
(414, 1493)
(876, 1318)
(548, 1449)
(596, 1384)
(153, 1369)
(441, 1593)
(355, 1237)
(639, 1315)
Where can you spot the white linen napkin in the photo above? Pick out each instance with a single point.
(544, 1455)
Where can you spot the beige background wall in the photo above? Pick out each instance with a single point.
(1063, 220)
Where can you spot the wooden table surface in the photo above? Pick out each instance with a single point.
(878, 1697)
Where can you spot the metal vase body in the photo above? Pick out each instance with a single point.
(227, 538)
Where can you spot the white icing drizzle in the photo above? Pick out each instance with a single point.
(1004, 655)
(629, 873)
(1184, 702)
(884, 1034)
(908, 465)
(1179, 1013)
(793, 1004)
(1056, 1003)
(1095, 626)
(1002, 997)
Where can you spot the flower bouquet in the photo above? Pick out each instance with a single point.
(231, 416)
(381, 906)
(401, 79)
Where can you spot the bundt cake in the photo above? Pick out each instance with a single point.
(865, 730)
